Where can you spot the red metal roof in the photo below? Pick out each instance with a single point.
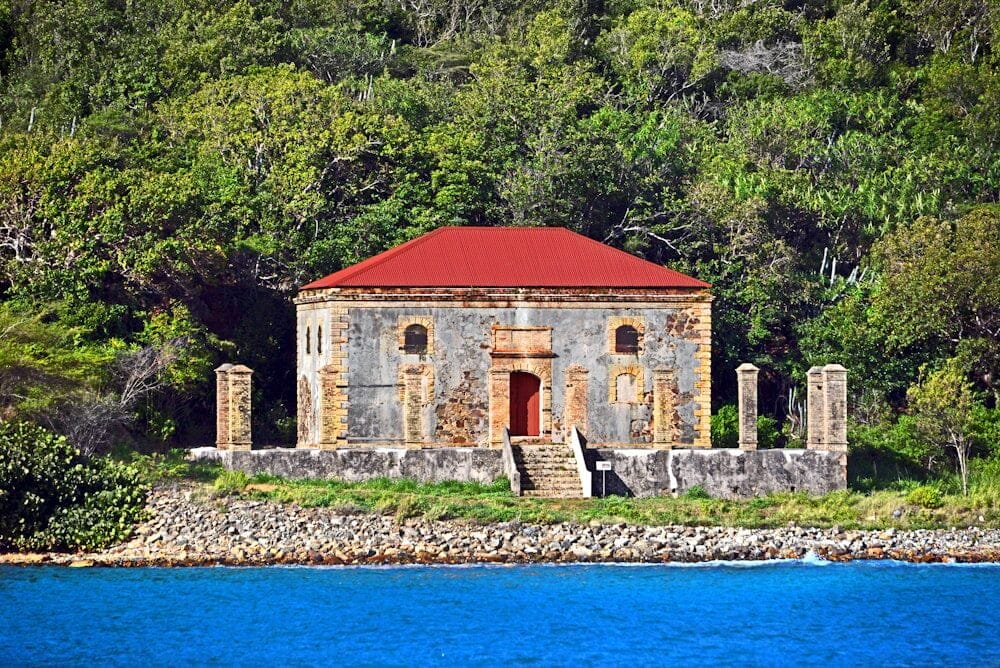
(505, 257)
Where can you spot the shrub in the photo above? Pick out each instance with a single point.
(696, 492)
(768, 432)
(52, 498)
(726, 427)
(985, 431)
(883, 454)
(925, 496)
(231, 482)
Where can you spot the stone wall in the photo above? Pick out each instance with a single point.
(640, 472)
(723, 473)
(357, 464)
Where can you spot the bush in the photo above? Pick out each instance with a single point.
(726, 427)
(51, 498)
(985, 431)
(882, 455)
(768, 432)
(231, 482)
(696, 492)
(925, 496)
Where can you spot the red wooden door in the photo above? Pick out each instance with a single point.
(524, 407)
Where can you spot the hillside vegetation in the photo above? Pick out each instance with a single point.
(170, 171)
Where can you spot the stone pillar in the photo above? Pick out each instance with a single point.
(835, 408)
(664, 407)
(575, 412)
(232, 386)
(222, 407)
(814, 408)
(746, 381)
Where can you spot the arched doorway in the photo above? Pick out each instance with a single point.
(525, 407)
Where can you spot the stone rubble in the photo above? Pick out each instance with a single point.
(188, 529)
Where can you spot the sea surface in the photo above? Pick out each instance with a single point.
(802, 613)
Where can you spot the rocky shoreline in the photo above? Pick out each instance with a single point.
(187, 528)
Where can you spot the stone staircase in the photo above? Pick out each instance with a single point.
(547, 469)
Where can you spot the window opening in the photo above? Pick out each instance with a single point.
(415, 340)
(626, 339)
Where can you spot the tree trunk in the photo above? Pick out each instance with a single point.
(961, 449)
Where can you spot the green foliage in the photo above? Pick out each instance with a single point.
(42, 361)
(51, 498)
(170, 172)
(883, 454)
(943, 407)
(696, 492)
(925, 496)
(726, 427)
(231, 482)
(768, 432)
(941, 280)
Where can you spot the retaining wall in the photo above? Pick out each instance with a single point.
(356, 464)
(723, 473)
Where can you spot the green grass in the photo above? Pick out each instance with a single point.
(902, 503)
(907, 507)
(158, 467)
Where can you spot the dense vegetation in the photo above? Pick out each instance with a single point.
(52, 498)
(170, 172)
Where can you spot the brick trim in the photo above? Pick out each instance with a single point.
(635, 370)
(616, 321)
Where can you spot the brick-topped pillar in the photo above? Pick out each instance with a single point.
(835, 408)
(664, 407)
(814, 408)
(232, 421)
(746, 382)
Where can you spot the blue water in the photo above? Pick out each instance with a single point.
(790, 613)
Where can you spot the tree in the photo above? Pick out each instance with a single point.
(940, 286)
(943, 405)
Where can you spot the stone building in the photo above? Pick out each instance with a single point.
(569, 367)
(449, 339)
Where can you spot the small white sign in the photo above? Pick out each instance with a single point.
(603, 466)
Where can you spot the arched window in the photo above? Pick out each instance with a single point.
(308, 340)
(415, 340)
(625, 388)
(319, 340)
(626, 339)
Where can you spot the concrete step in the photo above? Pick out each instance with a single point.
(548, 494)
(545, 460)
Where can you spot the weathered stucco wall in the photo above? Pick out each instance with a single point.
(356, 464)
(723, 473)
(674, 337)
